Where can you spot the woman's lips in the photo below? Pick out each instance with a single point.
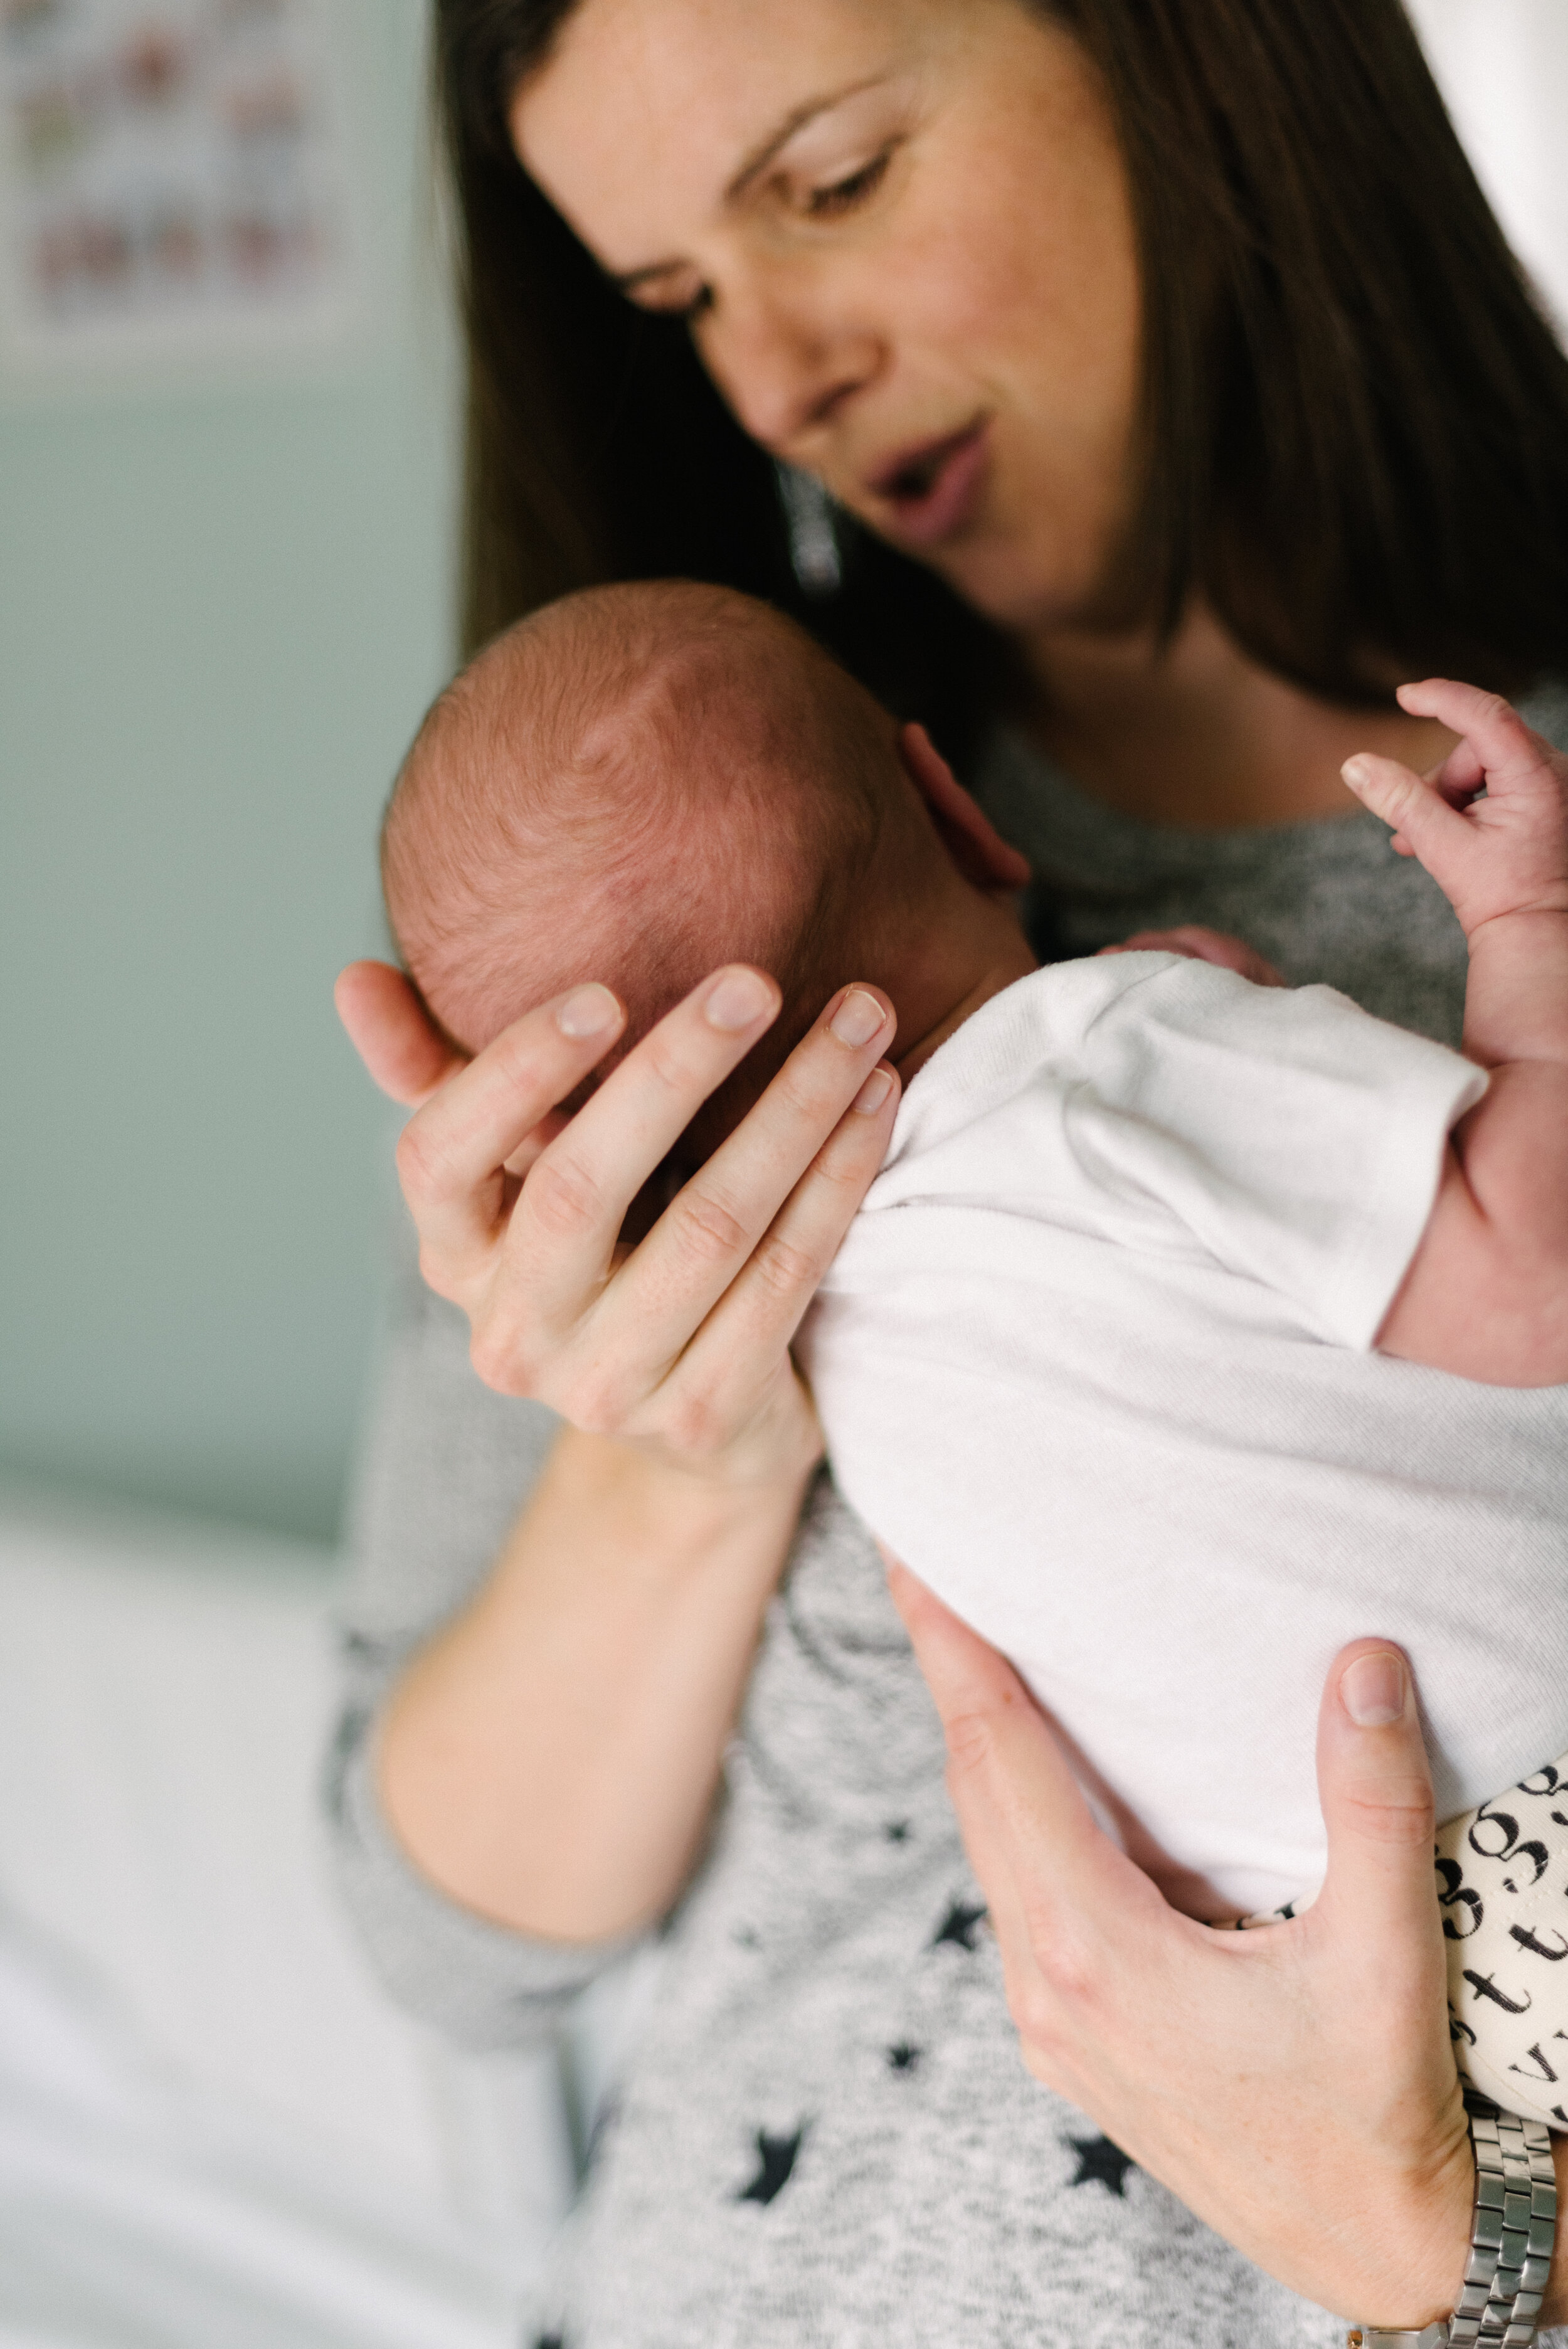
(932, 489)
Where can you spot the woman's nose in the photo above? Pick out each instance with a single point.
(787, 371)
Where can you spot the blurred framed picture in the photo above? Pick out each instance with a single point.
(175, 180)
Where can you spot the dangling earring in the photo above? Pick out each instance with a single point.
(811, 517)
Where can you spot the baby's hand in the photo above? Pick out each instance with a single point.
(1201, 945)
(1487, 1291)
(1505, 853)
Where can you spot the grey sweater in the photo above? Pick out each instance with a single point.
(827, 2139)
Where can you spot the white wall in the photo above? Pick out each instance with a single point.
(1504, 68)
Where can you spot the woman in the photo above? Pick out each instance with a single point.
(1176, 395)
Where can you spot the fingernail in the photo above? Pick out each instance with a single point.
(858, 1018)
(1373, 1688)
(1354, 772)
(873, 1093)
(738, 998)
(587, 1011)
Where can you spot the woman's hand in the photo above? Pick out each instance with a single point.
(1293, 2085)
(679, 1345)
(550, 1758)
(387, 1028)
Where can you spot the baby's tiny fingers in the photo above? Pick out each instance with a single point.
(1507, 749)
(1459, 776)
(1422, 819)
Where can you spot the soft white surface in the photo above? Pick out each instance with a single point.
(1071, 1365)
(1502, 67)
(213, 2125)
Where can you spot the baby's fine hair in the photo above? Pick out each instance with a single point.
(637, 784)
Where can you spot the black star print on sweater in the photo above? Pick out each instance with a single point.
(958, 1926)
(776, 2157)
(1100, 2163)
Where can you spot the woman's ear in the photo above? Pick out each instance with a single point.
(970, 838)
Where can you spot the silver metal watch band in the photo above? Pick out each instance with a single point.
(1515, 2228)
(1512, 2238)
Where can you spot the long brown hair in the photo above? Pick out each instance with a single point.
(1355, 414)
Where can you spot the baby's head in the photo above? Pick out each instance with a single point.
(635, 785)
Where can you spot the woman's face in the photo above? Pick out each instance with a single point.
(901, 233)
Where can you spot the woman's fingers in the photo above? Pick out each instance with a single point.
(452, 1151)
(1234, 2067)
(1376, 1789)
(975, 1691)
(561, 1314)
(706, 1235)
(576, 1198)
(786, 1183)
(1022, 1811)
(1064, 1901)
(387, 1028)
(738, 1350)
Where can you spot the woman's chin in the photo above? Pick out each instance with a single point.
(1034, 591)
(1017, 588)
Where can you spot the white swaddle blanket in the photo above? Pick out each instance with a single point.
(1094, 1360)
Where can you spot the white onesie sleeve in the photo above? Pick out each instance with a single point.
(1299, 1138)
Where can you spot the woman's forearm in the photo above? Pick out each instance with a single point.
(551, 1758)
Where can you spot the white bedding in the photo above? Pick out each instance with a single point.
(215, 2132)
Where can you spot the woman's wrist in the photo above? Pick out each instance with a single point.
(1407, 2241)
(1513, 2268)
(678, 1516)
(1423, 2275)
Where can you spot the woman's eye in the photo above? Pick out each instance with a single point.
(843, 195)
(681, 301)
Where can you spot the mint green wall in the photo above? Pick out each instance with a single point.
(221, 610)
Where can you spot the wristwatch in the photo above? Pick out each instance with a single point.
(1512, 2238)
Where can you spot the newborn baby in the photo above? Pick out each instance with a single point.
(1109, 1356)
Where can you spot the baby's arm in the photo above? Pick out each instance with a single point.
(1487, 1292)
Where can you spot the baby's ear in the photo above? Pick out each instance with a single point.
(969, 836)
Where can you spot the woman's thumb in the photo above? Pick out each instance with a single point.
(1375, 1789)
(390, 1030)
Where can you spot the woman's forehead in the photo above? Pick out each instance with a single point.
(648, 114)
